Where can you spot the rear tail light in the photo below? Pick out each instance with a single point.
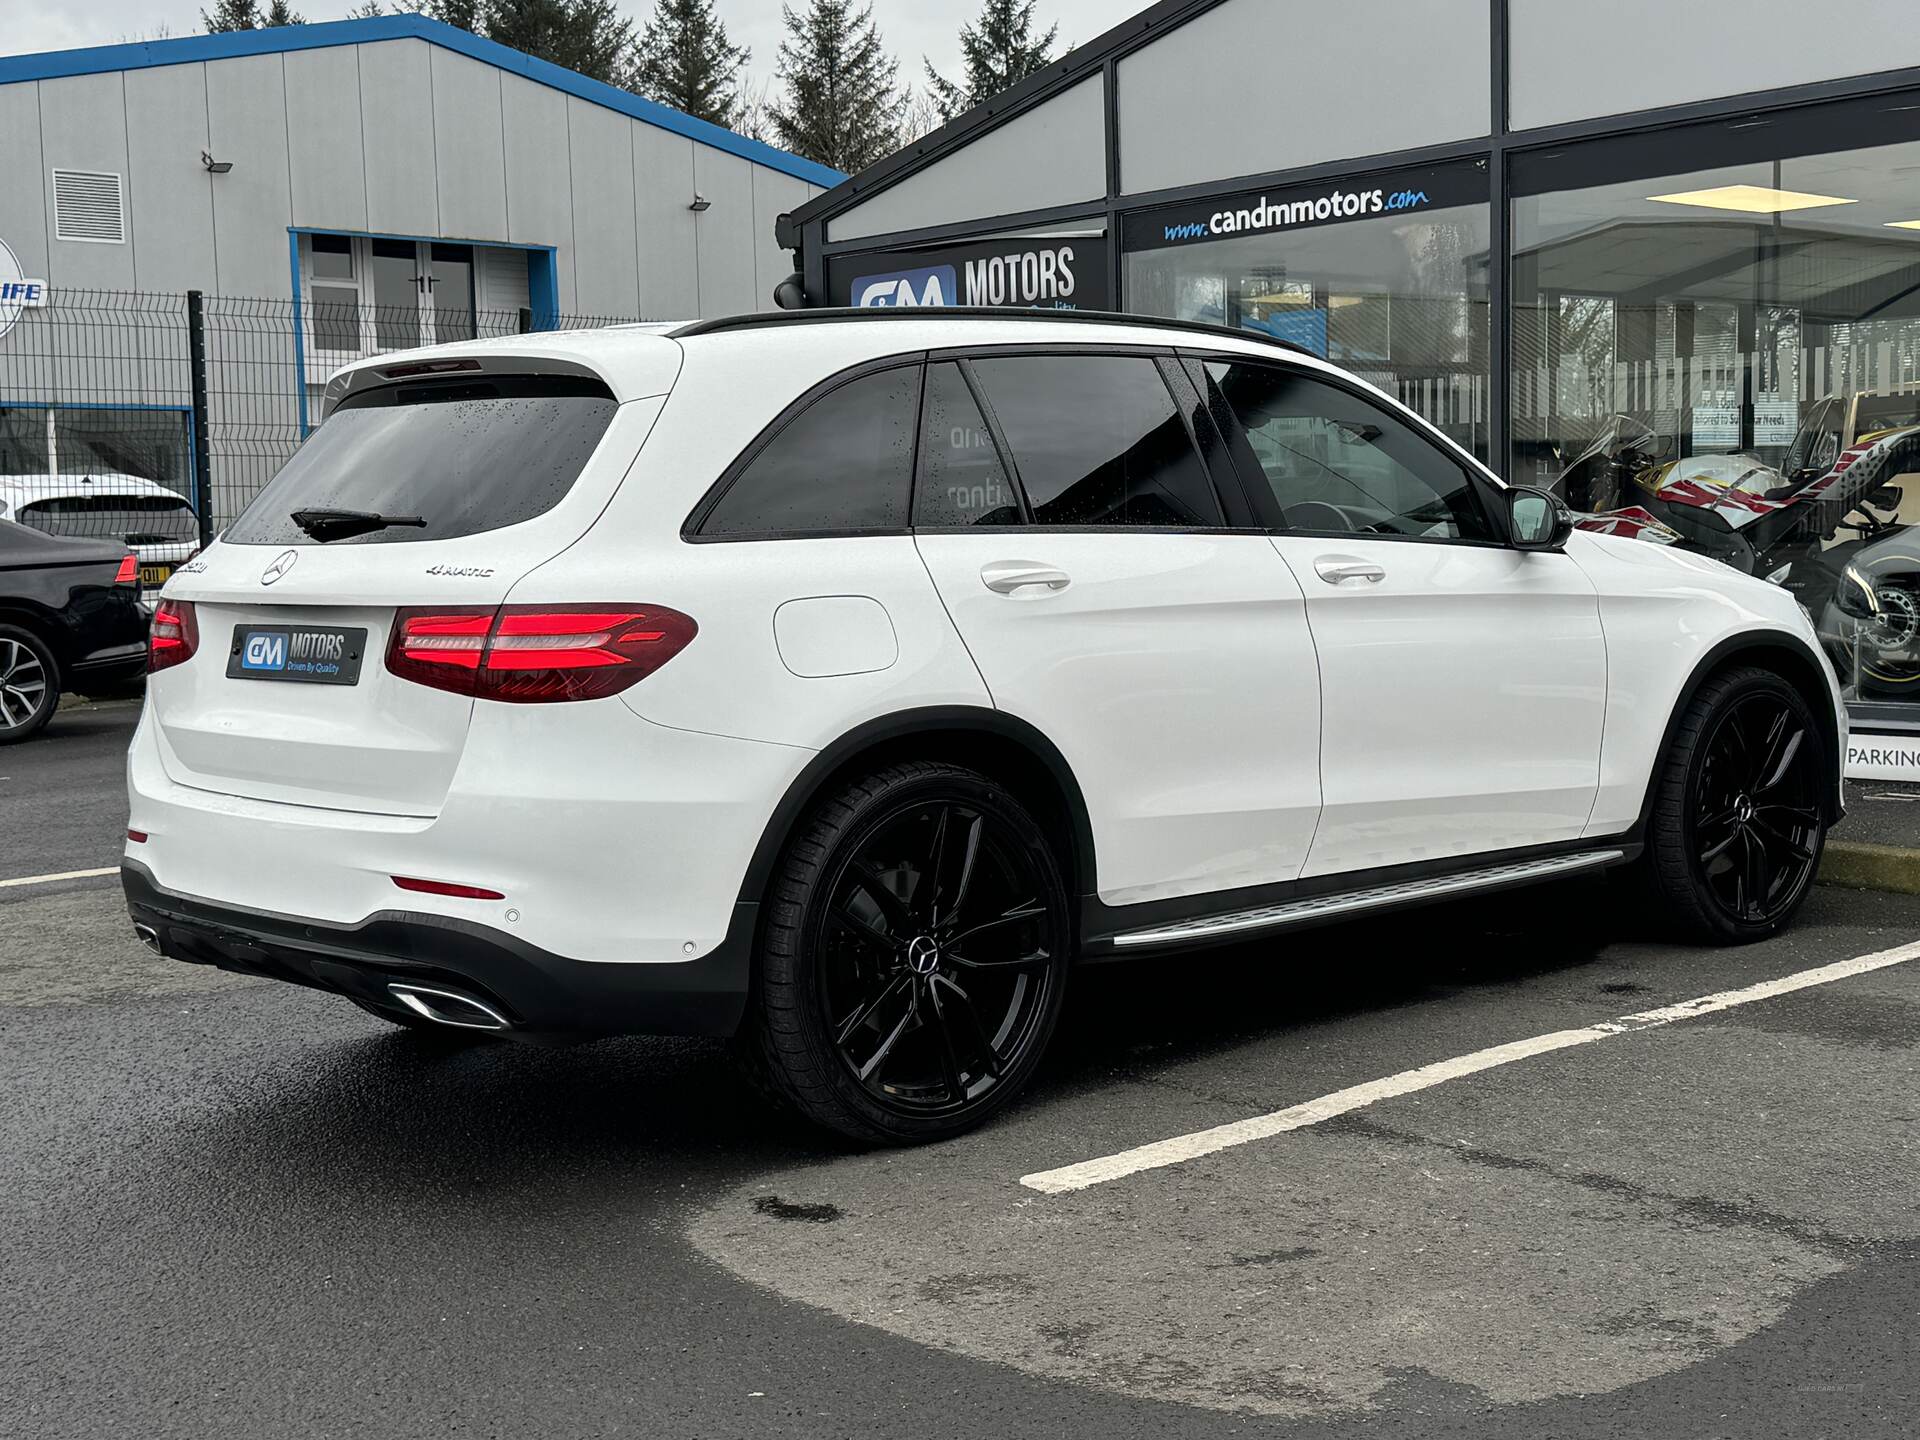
(529, 654)
(175, 635)
(129, 571)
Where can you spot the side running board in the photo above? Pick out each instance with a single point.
(1353, 902)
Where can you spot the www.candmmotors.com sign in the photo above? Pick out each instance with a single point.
(1055, 273)
(1266, 212)
(17, 291)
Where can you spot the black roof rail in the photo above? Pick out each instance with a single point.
(824, 314)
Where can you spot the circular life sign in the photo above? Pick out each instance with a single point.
(17, 292)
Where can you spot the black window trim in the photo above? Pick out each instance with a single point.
(965, 354)
(1488, 493)
(709, 502)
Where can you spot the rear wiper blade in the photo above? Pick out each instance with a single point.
(325, 525)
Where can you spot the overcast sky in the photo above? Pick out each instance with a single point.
(910, 28)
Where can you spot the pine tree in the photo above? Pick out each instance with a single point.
(684, 59)
(231, 15)
(588, 36)
(462, 14)
(999, 50)
(369, 11)
(247, 15)
(842, 105)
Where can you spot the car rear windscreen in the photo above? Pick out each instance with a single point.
(136, 519)
(464, 456)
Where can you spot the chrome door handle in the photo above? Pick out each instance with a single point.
(1003, 577)
(1338, 569)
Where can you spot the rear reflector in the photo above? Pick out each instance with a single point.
(530, 654)
(442, 887)
(174, 636)
(138, 837)
(129, 571)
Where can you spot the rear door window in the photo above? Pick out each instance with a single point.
(465, 456)
(1098, 441)
(842, 466)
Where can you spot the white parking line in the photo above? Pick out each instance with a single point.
(63, 875)
(1181, 1148)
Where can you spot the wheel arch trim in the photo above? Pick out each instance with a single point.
(1756, 645)
(903, 726)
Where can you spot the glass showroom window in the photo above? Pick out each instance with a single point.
(1724, 352)
(1387, 277)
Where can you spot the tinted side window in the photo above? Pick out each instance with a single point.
(1097, 440)
(1340, 465)
(961, 481)
(844, 465)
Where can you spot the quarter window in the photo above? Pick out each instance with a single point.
(961, 479)
(844, 465)
(1098, 441)
(1340, 465)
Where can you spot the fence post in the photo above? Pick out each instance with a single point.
(197, 372)
(526, 320)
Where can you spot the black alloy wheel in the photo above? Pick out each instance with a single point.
(1739, 817)
(915, 958)
(1756, 823)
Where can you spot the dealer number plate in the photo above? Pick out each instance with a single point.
(314, 654)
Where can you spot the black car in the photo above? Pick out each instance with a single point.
(70, 619)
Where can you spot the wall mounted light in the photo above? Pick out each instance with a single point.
(215, 167)
(700, 204)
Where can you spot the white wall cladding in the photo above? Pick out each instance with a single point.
(1668, 52)
(83, 126)
(1254, 85)
(399, 137)
(1054, 154)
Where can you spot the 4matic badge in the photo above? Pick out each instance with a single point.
(478, 572)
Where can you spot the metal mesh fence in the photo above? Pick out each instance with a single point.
(101, 411)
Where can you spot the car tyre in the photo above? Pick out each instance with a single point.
(913, 957)
(1738, 820)
(29, 684)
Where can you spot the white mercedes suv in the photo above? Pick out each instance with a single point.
(836, 680)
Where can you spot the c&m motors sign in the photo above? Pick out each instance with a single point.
(1032, 273)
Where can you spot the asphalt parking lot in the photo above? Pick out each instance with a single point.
(234, 1209)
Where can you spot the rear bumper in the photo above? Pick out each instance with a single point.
(540, 994)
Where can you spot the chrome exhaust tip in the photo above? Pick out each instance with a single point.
(149, 937)
(448, 1007)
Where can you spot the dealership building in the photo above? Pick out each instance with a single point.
(1524, 218)
(330, 191)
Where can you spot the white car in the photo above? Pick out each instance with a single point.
(156, 523)
(836, 680)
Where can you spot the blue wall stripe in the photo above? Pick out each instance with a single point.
(543, 289)
(190, 49)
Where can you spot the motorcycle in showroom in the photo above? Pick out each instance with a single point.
(1826, 525)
